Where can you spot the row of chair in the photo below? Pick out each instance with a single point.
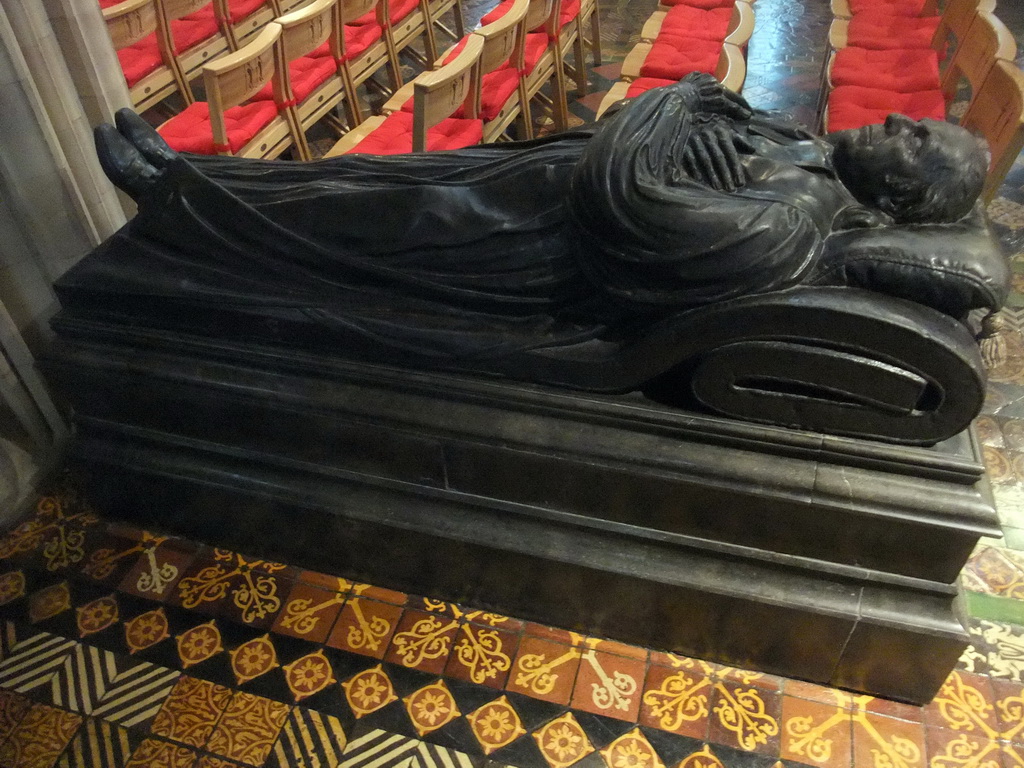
(478, 89)
(164, 44)
(685, 36)
(886, 59)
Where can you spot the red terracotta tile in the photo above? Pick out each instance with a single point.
(12, 708)
(889, 708)
(1009, 706)
(820, 693)
(41, 735)
(677, 700)
(555, 634)
(746, 717)
(325, 581)
(156, 752)
(157, 569)
(227, 584)
(619, 649)
(365, 627)
(491, 619)
(379, 593)
(430, 605)
(885, 740)
(678, 661)
(1013, 755)
(248, 729)
(762, 680)
(951, 748)
(482, 655)
(191, 711)
(544, 670)
(609, 685)
(309, 612)
(423, 641)
(964, 703)
(816, 733)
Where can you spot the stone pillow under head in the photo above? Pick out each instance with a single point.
(953, 268)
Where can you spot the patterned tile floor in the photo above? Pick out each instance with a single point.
(122, 647)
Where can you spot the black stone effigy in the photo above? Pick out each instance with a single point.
(825, 558)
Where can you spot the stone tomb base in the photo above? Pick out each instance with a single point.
(828, 559)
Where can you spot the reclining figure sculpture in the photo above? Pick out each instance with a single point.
(688, 247)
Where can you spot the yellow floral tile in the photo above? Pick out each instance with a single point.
(431, 707)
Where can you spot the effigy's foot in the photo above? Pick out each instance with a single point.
(133, 155)
(144, 137)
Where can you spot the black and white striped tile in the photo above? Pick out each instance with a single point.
(380, 749)
(33, 658)
(309, 738)
(99, 683)
(98, 744)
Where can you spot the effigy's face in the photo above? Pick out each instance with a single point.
(902, 147)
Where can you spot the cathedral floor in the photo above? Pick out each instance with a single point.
(124, 647)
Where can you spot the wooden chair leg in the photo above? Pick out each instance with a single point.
(460, 19)
(394, 65)
(525, 113)
(579, 57)
(353, 112)
(298, 135)
(559, 101)
(429, 41)
(595, 35)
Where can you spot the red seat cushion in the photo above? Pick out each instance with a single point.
(570, 10)
(394, 135)
(704, 4)
(905, 71)
(677, 57)
(139, 59)
(191, 131)
(892, 7)
(878, 31)
(686, 21)
(642, 84)
(239, 9)
(189, 31)
(534, 49)
(397, 10)
(852, 106)
(306, 72)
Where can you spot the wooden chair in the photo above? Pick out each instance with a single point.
(313, 84)
(140, 39)
(844, 9)
(194, 32)
(903, 32)
(984, 42)
(731, 71)
(438, 8)
(241, 20)
(737, 31)
(997, 114)
(229, 122)
(502, 91)
(437, 95)
(550, 37)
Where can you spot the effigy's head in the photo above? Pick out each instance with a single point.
(915, 171)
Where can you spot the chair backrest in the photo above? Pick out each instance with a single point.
(501, 36)
(306, 29)
(540, 11)
(956, 20)
(997, 114)
(176, 9)
(741, 24)
(237, 77)
(552, 19)
(130, 21)
(438, 93)
(987, 40)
